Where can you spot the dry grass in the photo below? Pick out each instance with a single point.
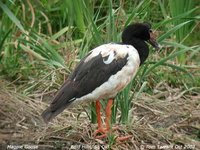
(169, 117)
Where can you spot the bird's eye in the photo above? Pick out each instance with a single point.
(150, 31)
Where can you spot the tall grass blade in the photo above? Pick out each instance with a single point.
(2, 39)
(172, 30)
(137, 11)
(178, 7)
(60, 33)
(171, 56)
(12, 16)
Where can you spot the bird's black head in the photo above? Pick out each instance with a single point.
(140, 31)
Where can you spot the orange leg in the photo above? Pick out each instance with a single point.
(108, 121)
(98, 111)
(100, 128)
(108, 113)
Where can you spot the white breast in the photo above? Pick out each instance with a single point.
(118, 81)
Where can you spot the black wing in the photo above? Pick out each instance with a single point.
(93, 73)
(87, 76)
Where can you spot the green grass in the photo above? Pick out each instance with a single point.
(58, 34)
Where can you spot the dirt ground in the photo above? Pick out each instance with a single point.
(167, 119)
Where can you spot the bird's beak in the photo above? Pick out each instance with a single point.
(153, 41)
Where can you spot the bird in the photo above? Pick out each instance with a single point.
(103, 73)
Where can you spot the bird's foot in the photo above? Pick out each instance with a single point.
(123, 138)
(101, 133)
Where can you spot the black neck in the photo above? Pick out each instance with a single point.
(141, 47)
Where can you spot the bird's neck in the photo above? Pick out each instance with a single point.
(141, 47)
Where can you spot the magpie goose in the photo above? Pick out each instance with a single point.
(104, 72)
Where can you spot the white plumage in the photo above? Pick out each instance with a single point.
(119, 80)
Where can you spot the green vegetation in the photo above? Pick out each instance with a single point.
(42, 41)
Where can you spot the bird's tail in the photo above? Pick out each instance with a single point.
(64, 98)
(49, 114)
